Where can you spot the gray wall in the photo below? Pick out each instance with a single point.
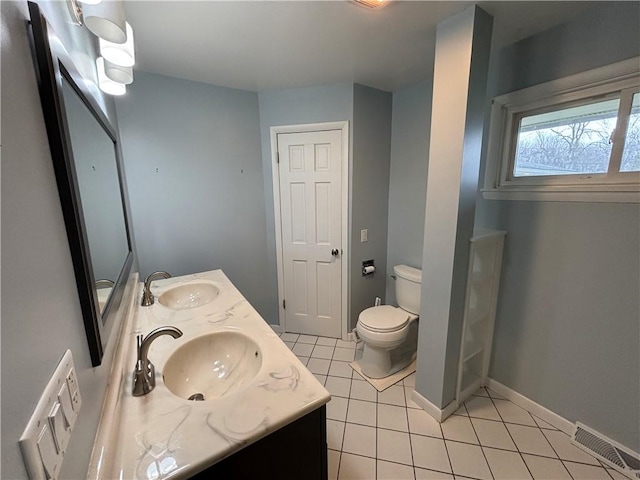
(192, 157)
(293, 107)
(369, 194)
(41, 314)
(369, 112)
(410, 128)
(202, 194)
(568, 319)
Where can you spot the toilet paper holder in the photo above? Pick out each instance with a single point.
(368, 268)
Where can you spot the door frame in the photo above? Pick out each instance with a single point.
(346, 250)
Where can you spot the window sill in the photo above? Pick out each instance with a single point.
(564, 194)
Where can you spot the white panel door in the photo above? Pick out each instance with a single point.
(310, 202)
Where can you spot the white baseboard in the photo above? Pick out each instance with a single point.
(276, 328)
(538, 410)
(439, 414)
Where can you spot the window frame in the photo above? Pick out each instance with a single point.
(621, 78)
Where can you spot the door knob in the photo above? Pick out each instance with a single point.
(335, 252)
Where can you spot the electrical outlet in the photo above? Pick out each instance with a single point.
(46, 437)
(75, 401)
(72, 383)
(364, 235)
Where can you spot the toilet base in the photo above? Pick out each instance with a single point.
(379, 362)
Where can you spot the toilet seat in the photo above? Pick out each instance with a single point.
(384, 319)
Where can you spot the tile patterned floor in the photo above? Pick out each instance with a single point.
(387, 436)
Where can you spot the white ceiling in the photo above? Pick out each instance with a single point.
(264, 45)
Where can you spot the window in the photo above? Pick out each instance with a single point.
(573, 139)
(631, 154)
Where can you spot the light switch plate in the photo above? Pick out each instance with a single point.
(47, 434)
(364, 235)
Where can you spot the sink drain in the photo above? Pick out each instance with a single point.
(196, 397)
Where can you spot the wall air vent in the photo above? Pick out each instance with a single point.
(373, 4)
(622, 459)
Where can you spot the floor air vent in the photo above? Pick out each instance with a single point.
(620, 458)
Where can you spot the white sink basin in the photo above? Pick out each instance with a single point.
(191, 295)
(212, 365)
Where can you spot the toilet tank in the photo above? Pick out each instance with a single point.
(408, 282)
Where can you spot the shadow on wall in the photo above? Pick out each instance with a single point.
(519, 252)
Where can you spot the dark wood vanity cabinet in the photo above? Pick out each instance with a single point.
(297, 451)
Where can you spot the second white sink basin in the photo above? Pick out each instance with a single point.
(191, 295)
(212, 365)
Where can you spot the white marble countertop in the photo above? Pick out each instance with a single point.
(161, 435)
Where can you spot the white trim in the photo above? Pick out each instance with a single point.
(611, 187)
(440, 415)
(538, 410)
(567, 86)
(313, 127)
(545, 195)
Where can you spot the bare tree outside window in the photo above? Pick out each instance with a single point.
(631, 155)
(571, 141)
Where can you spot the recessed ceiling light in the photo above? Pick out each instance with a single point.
(373, 4)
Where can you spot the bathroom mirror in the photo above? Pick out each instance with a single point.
(87, 163)
(96, 169)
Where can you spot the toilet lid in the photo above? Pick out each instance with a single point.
(384, 318)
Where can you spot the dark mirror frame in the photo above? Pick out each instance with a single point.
(53, 66)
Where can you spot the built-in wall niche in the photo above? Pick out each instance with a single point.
(86, 160)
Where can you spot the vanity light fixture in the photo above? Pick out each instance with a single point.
(105, 83)
(372, 4)
(118, 73)
(106, 20)
(122, 54)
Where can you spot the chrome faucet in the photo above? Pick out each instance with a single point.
(144, 377)
(147, 296)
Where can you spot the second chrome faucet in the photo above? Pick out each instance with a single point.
(147, 296)
(144, 377)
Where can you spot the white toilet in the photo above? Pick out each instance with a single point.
(390, 334)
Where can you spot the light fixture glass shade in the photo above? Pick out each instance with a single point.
(105, 83)
(118, 73)
(90, 2)
(106, 20)
(122, 54)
